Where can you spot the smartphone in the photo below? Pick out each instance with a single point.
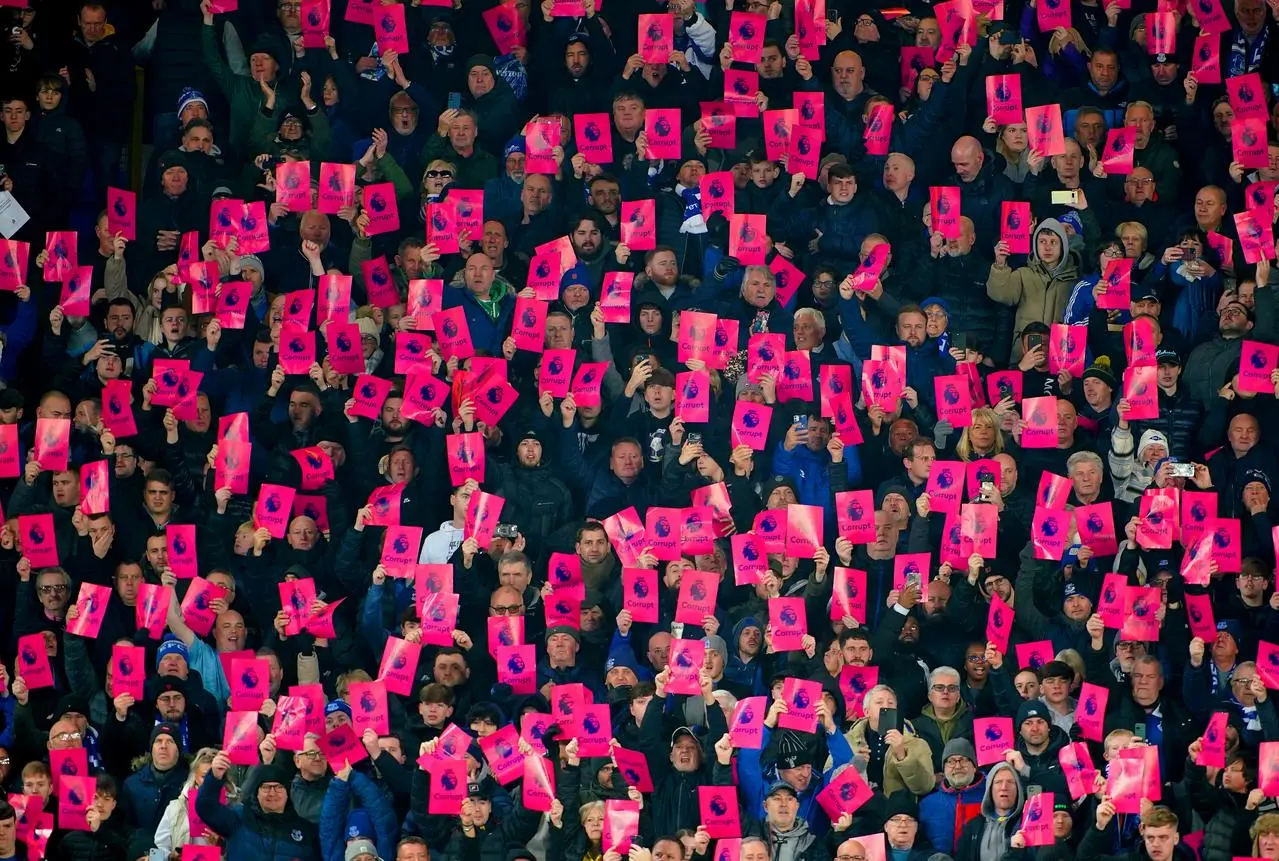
(888, 720)
(455, 102)
(1066, 197)
(1189, 254)
(694, 439)
(1033, 790)
(988, 490)
(1182, 470)
(832, 14)
(912, 580)
(960, 341)
(1139, 731)
(1033, 341)
(801, 422)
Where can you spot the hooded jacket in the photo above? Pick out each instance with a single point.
(1037, 291)
(746, 674)
(988, 837)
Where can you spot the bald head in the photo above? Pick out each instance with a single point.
(848, 73)
(967, 157)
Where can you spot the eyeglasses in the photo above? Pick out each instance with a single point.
(67, 736)
(976, 659)
(1127, 644)
(409, 110)
(4, 760)
(1141, 182)
(271, 787)
(52, 590)
(507, 609)
(945, 689)
(310, 754)
(957, 761)
(850, 858)
(1243, 683)
(439, 174)
(1253, 576)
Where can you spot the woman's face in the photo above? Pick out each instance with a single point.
(200, 771)
(1015, 137)
(1268, 845)
(593, 825)
(438, 174)
(1190, 242)
(331, 97)
(982, 434)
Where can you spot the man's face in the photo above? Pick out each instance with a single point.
(536, 195)
(1103, 69)
(771, 63)
(650, 320)
(843, 188)
(16, 116)
(686, 754)
(462, 133)
(66, 489)
(1210, 207)
(1143, 120)
(561, 649)
(659, 649)
(158, 497)
(975, 664)
(450, 670)
(807, 335)
(1087, 477)
(1243, 434)
(479, 274)
(120, 321)
(663, 269)
(49, 98)
(174, 181)
(628, 115)
(586, 238)
(559, 332)
(53, 591)
(900, 831)
(912, 328)
(1160, 842)
(1090, 128)
(127, 578)
(480, 81)
(758, 289)
(605, 196)
(1147, 683)
(857, 653)
(198, 139)
(93, 24)
(847, 73)
(576, 59)
(1003, 790)
(1164, 73)
(967, 162)
(626, 460)
(1140, 185)
(898, 173)
(411, 852)
(171, 705)
(229, 631)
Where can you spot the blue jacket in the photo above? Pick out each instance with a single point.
(250, 833)
(337, 804)
(487, 333)
(751, 779)
(809, 470)
(944, 813)
(18, 333)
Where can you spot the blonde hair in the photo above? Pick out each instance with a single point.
(964, 448)
(1267, 823)
(1003, 149)
(343, 683)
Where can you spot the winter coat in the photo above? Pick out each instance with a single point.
(938, 732)
(338, 803)
(915, 772)
(945, 811)
(1038, 293)
(251, 833)
(146, 794)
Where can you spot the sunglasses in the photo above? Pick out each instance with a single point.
(439, 174)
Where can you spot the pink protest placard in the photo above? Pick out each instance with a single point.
(369, 708)
(848, 598)
(52, 444)
(686, 660)
(999, 623)
(1096, 526)
(341, 746)
(662, 130)
(38, 539)
(747, 237)
(240, 737)
(994, 736)
(845, 793)
(152, 608)
(122, 213)
(1015, 221)
(770, 527)
(337, 187)
(719, 811)
(954, 400)
(879, 129)
(60, 255)
(197, 604)
(1248, 142)
(746, 729)
(1044, 129)
(1247, 96)
(1050, 532)
(746, 35)
(625, 532)
(1199, 613)
(633, 766)
(1212, 753)
(1066, 347)
(1257, 361)
(789, 622)
(1076, 764)
(399, 665)
(1256, 236)
(803, 530)
(1116, 284)
(615, 300)
(945, 485)
(1158, 512)
(1120, 147)
(1033, 656)
(944, 203)
(1206, 58)
(379, 202)
(506, 26)
(274, 508)
(639, 225)
(95, 487)
(855, 515)
(801, 697)
(128, 670)
(855, 683)
(594, 138)
(1040, 416)
(91, 610)
(1124, 780)
(1037, 815)
(639, 594)
(656, 38)
(1004, 385)
(750, 558)
(539, 784)
(1003, 99)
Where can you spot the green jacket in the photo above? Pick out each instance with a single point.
(244, 93)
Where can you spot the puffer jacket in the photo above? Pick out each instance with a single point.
(969, 845)
(1038, 293)
(960, 281)
(944, 812)
(537, 501)
(250, 833)
(915, 772)
(147, 793)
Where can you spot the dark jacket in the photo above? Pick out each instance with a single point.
(250, 833)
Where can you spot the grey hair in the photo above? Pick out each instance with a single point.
(1083, 457)
(871, 693)
(943, 671)
(817, 317)
(759, 270)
